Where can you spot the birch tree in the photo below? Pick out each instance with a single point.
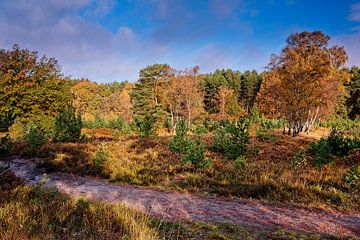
(304, 81)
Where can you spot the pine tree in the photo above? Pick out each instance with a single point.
(147, 93)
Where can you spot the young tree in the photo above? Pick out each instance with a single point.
(30, 87)
(305, 81)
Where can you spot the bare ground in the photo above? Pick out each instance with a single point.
(177, 206)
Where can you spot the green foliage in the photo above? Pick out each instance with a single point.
(35, 135)
(250, 86)
(353, 176)
(333, 145)
(6, 145)
(190, 151)
(353, 99)
(240, 162)
(322, 152)
(101, 155)
(67, 126)
(146, 94)
(245, 87)
(342, 124)
(195, 154)
(180, 142)
(266, 131)
(146, 126)
(30, 86)
(232, 139)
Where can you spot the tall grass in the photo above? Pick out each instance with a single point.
(36, 213)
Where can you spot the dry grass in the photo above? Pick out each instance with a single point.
(269, 173)
(37, 213)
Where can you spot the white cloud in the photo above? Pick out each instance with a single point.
(83, 47)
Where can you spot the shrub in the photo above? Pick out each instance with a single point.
(232, 140)
(67, 126)
(180, 142)
(146, 126)
(196, 154)
(6, 145)
(333, 145)
(35, 135)
(101, 155)
(343, 124)
(190, 151)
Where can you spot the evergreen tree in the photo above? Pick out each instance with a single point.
(353, 100)
(147, 93)
(212, 83)
(250, 86)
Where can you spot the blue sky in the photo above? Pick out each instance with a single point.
(109, 40)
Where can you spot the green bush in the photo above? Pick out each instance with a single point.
(146, 126)
(232, 139)
(196, 154)
(343, 124)
(35, 135)
(333, 145)
(190, 151)
(68, 126)
(6, 145)
(180, 142)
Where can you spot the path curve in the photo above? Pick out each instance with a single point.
(181, 206)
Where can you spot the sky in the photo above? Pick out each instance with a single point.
(109, 40)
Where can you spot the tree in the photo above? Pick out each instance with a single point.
(353, 99)
(147, 93)
(184, 96)
(304, 81)
(249, 88)
(211, 85)
(30, 87)
(68, 126)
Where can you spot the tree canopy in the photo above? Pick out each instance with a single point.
(30, 87)
(304, 81)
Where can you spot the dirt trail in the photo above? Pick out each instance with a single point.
(181, 206)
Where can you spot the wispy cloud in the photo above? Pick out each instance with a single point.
(355, 12)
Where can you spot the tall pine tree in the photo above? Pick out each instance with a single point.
(148, 91)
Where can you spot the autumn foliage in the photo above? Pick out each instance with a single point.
(304, 81)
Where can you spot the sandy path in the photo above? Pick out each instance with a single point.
(182, 206)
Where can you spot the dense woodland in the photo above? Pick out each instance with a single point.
(230, 133)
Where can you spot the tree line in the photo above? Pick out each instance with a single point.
(305, 83)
